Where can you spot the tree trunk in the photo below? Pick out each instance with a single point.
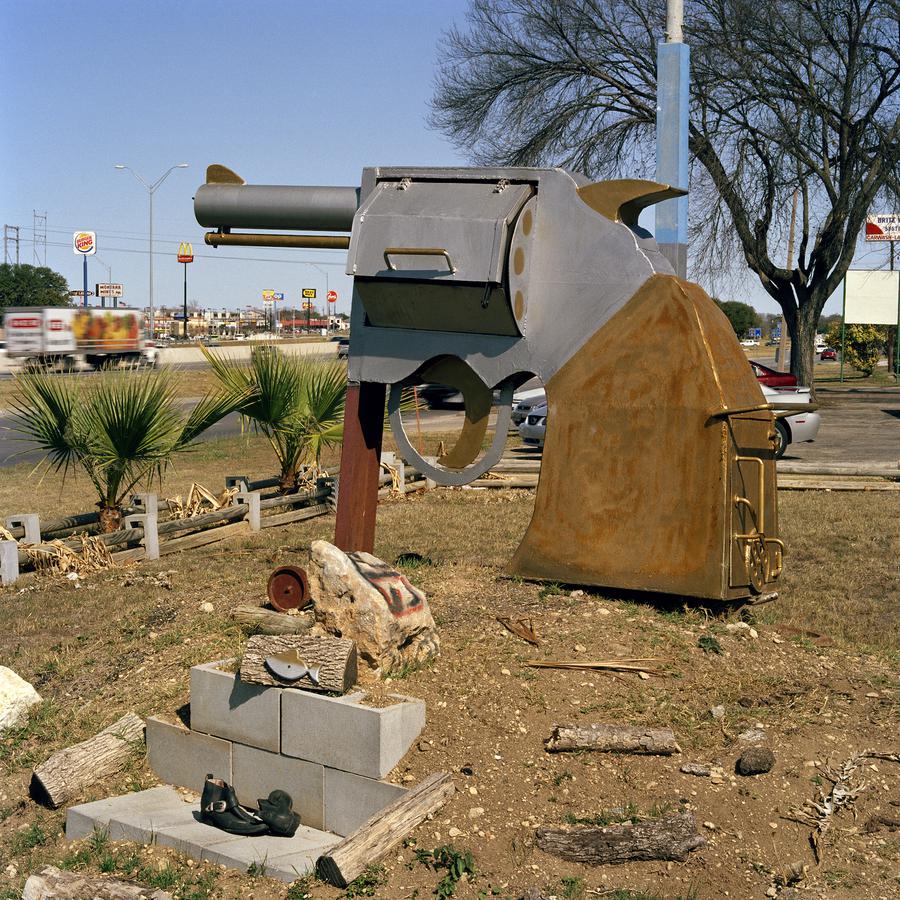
(343, 862)
(110, 518)
(670, 837)
(612, 739)
(67, 773)
(264, 621)
(803, 342)
(335, 658)
(52, 884)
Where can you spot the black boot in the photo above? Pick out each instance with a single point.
(219, 808)
(277, 813)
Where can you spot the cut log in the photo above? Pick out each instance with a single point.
(67, 773)
(259, 620)
(670, 838)
(335, 658)
(612, 739)
(52, 884)
(375, 837)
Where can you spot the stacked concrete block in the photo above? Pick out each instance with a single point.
(330, 754)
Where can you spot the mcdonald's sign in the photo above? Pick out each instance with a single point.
(185, 252)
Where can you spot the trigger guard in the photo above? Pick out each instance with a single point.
(441, 474)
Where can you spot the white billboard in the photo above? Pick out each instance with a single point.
(871, 298)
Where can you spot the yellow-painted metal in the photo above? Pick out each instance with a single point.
(309, 241)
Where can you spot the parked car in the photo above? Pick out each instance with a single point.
(750, 342)
(796, 428)
(524, 401)
(771, 377)
(343, 349)
(534, 427)
(828, 353)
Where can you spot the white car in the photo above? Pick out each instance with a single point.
(796, 428)
(750, 342)
(790, 428)
(524, 401)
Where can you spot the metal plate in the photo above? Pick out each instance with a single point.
(288, 588)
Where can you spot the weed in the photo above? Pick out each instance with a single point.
(98, 840)
(551, 589)
(626, 813)
(457, 863)
(31, 837)
(572, 888)
(412, 561)
(366, 884)
(257, 869)
(565, 775)
(708, 644)
(300, 889)
(164, 878)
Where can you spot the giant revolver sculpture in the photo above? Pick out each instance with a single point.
(658, 468)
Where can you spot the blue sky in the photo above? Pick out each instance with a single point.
(281, 92)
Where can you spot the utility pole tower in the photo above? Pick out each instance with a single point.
(39, 233)
(10, 235)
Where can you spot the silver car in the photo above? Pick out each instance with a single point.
(791, 428)
(534, 426)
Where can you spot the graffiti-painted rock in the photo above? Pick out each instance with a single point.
(16, 697)
(357, 596)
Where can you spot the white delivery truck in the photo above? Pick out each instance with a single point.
(63, 336)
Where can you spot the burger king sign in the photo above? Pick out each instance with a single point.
(85, 243)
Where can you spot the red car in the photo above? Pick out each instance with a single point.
(828, 353)
(771, 377)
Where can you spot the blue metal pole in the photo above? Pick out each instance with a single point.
(85, 280)
(672, 112)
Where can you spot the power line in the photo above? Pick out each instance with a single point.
(39, 221)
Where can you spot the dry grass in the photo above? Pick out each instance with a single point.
(123, 641)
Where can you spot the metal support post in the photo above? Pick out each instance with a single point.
(360, 467)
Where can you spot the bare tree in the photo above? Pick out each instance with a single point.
(790, 95)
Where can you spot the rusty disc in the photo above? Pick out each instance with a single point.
(288, 588)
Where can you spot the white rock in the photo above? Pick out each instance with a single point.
(16, 697)
(476, 811)
(717, 712)
(365, 600)
(454, 832)
(207, 607)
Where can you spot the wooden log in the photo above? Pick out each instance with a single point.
(375, 837)
(63, 776)
(612, 739)
(296, 515)
(53, 884)
(335, 657)
(214, 517)
(259, 620)
(669, 838)
(210, 536)
(294, 499)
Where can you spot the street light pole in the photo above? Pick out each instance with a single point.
(325, 273)
(151, 190)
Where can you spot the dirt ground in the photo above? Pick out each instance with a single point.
(120, 641)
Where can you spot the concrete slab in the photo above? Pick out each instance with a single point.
(182, 757)
(256, 773)
(223, 706)
(161, 816)
(81, 820)
(351, 799)
(342, 733)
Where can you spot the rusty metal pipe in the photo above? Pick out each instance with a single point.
(308, 241)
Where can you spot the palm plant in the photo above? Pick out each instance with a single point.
(121, 428)
(296, 403)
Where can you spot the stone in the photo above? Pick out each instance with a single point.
(741, 629)
(359, 597)
(755, 761)
(17, 696)
(698, 769)
(752, 736)
(717, 712)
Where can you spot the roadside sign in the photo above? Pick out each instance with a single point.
(309, 293)
(84, 243)
(109, 290)
(185, 252)
(331, 296)
(756, 332)
(883, 227)
(80, 293)
(307, 306)
(268, 296)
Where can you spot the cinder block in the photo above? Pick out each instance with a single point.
(351, 799)
(256, 773)
(223, 706)
(81, 820)
(183, 757)
(341, 733)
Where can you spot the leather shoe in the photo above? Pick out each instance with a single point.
(277, 813)
(219, 808)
